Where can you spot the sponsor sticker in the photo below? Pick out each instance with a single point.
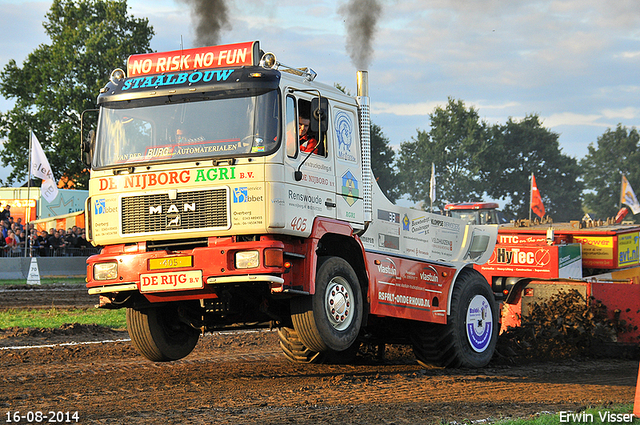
(420, 225)
(101, 207)
(344, 135)
(479, 323)
(350, 191)
(241, 194)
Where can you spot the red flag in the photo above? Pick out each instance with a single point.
(536, 200)
(621, 215)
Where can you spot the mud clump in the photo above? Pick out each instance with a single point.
(565, 326)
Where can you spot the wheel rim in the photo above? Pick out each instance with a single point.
(338, 296)
(479, 323)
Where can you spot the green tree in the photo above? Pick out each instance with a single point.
(516, 150)
(382, 163)
(617, 152)
(57, 81)
(456, 139)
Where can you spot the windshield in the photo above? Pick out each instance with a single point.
(135, 131)
(478, 217)
(471, 217)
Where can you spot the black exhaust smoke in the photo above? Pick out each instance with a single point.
(361, 22)
(210, 18)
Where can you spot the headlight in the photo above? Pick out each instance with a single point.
(247, 259)
(105, 271)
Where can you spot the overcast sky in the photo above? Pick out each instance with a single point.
(575, 63)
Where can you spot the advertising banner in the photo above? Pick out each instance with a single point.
(522, 261)
(24, 209)
(597, 251)
(570, 261)
(628, 250)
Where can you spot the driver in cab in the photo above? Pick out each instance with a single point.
(308, 143)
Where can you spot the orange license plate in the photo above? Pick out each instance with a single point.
(170, 263)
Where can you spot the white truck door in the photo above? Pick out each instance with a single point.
(314, 195)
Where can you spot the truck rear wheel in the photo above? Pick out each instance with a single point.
(470, 335)
(159, 335)
(330, 319)
(295, 351)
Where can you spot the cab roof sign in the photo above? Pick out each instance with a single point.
(224, 56)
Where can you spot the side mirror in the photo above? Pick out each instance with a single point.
(319, 122)
(87, 148)
(87, 143)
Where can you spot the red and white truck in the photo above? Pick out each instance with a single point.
(211, 216)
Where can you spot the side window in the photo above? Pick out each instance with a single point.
(291, 130)
(309, 140)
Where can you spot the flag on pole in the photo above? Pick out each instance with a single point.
(432, 183)
(536, 200)
(40, 168)
(628, 197)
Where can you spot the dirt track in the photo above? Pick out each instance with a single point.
(243, 378)
(45, 296)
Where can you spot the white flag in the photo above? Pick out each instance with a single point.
(432, 184)
(40, 168)
(628, 196)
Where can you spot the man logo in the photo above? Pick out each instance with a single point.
(240, 195)
(172, 209)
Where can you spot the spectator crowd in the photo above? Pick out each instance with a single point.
(17, 237)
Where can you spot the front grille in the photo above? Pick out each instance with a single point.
(190, 210)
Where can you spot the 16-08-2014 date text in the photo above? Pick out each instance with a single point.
(35, 417)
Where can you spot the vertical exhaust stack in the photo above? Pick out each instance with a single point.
(365, 136)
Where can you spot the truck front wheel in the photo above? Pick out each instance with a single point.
(470, 335)
(159, 334)
(330, 319)
(294, 350)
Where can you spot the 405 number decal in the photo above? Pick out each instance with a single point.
(299, 224)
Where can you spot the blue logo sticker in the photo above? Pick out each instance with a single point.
(240, 194)
(405, 222)
(100, 207)
(479, 323)
(344, 134)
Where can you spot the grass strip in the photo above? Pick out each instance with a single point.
(46, 281)
(56, 317)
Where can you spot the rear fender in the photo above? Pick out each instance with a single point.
(455, 282)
